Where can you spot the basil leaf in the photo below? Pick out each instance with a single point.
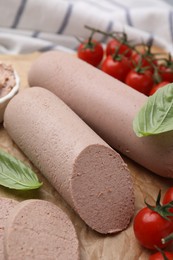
(156, 116)
(16, 175)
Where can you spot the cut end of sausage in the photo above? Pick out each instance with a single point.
(89, 175)
(6, 205)
(102, 189)
(38, 229)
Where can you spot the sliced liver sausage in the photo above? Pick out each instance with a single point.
(38, 229)
(105, 104)
(88, 174)
(6, 206)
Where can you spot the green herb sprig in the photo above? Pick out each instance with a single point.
(156, 116)
(16, 175)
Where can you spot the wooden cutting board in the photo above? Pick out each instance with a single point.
(93, 246)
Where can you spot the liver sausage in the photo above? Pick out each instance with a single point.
(89, 175)
(38, 229)
(106, 105)
(6, 205)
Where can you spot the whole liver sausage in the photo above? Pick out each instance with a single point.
(6, 206)
(88, 174)
(105, 104)
(38, 229)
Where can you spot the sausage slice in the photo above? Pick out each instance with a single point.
(88, 174)
(38, 229)
(6, 206)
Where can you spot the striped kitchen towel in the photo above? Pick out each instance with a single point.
(41, 25)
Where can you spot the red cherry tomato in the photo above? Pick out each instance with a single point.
(150, 227)
(157, 86)
(166, 73)
(136, 58)
(142, 82)
(168, 197)
(145, 60)
(116, 68)
(91, 52)
(122, 48)
(159, 256)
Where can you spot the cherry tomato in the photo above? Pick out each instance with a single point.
(157, 86)
(142, 82)
(168, 197)
(159, 256)
(91, 52)
(122, 48)
(166, 73)
(145, 60)
(150, 227)
(136, 58)
(117, 68)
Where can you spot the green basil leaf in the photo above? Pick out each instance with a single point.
(156, 116)
(16, 175)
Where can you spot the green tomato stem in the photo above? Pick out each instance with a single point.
(162, 210)
(167, 239)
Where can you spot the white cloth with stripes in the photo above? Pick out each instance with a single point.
(40, 25)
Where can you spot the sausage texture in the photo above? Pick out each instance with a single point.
(38, 229)
(89, 175)
(106, 105)
(6, 206)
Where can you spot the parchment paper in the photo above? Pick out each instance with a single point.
(93, 246)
